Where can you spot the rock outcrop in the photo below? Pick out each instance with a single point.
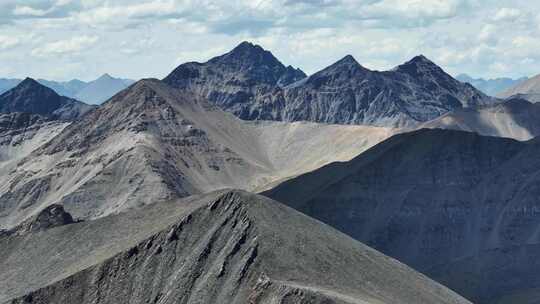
(50, 217)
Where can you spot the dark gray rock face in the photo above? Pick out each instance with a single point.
(346, 92)
(459, 207)
(222, 247)
(50, 217)
(31, 97)
(18, 121)
(252, 84)
(236, 80)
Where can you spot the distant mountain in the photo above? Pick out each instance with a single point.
(222, 247)
(529, 90)
(492, 87)
(514, 118)
(68, 88)
(152, 143)
(8, 83)
(248, 81)
(459, 207)
(93, 92)
(101, 89)
(31, 97)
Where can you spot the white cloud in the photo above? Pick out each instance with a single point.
(415, 8)
(488, 34)
(29, 11)
(73, 45)
(507, 14)
(147, 38)
(7, 42)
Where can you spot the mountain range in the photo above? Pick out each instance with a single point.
(492, 87)
(248, 81)
(92, 92)
(130, 201)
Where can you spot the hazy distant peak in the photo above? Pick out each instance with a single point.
(106, 76)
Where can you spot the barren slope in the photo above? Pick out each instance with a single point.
(514, 118)
(459, 207)
(529, 90)
(153, 143)
(224, 247)
(22, 133)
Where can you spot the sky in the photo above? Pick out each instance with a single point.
(65, 39)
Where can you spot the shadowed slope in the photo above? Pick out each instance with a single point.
(459, 207)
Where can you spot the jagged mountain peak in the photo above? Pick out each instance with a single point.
(29, 81)
(348, 59)
(421, 59)
(31, 97)
(30, 85)
(246, 46)
(105, 76)
(232, 79)
(248, 54)
(417, 65)
(346, 64)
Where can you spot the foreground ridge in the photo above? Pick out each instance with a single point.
(222, 247)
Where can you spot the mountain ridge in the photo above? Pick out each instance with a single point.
(225, 246)
(31, 97)
(453, 205)
(77, 89)
(529, 89)
(414, 92)
(151, 143)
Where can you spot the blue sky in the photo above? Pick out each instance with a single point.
(64, 39)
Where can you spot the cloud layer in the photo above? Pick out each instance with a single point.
(63, 39)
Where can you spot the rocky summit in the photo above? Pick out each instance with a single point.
(249, 82)
(236, 80)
